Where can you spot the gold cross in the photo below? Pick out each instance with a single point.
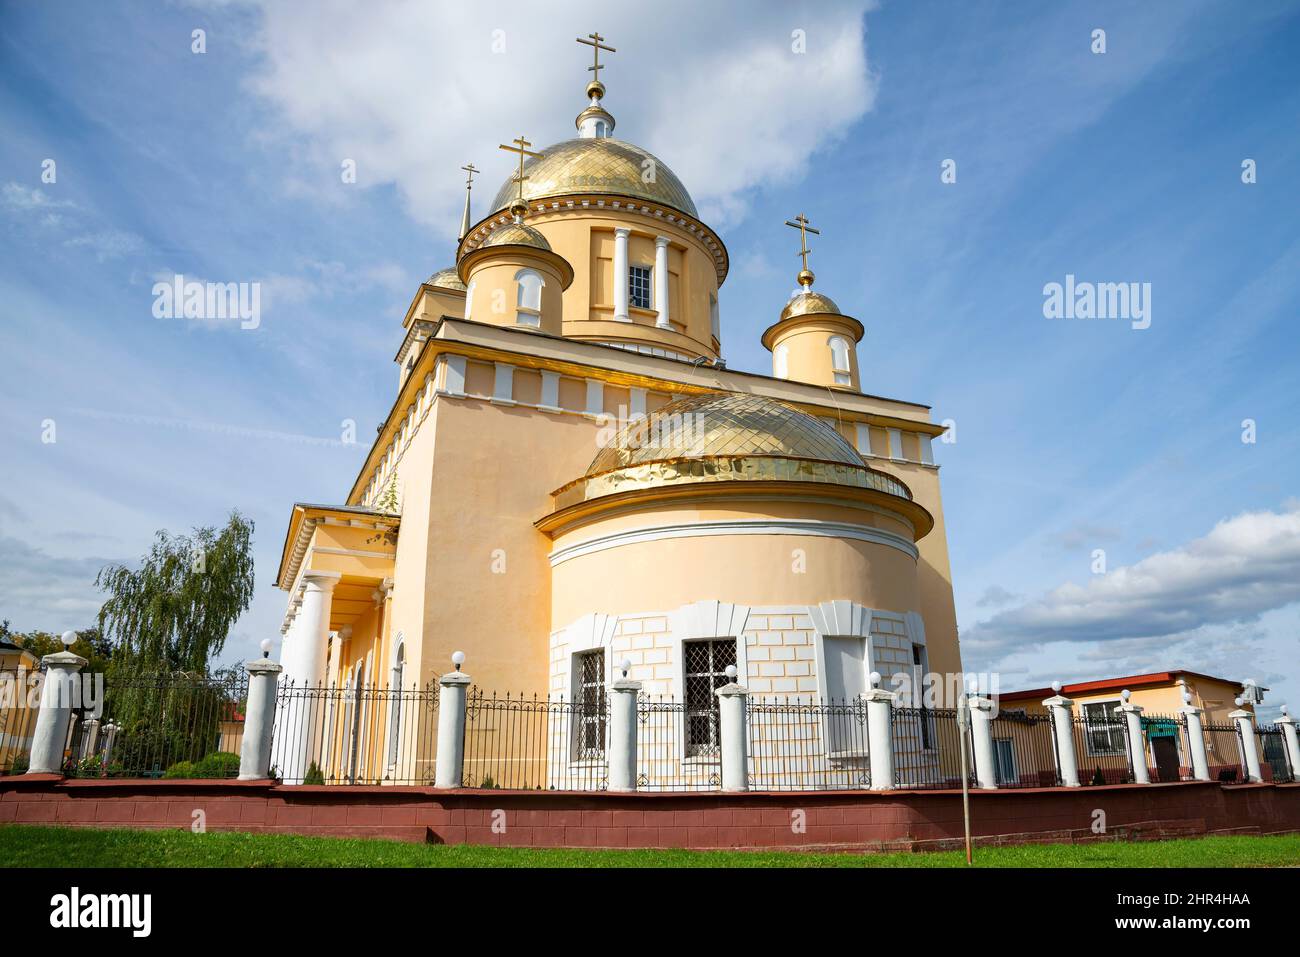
(471, 169)
(802, 223)
(520, 147)
(594, 41)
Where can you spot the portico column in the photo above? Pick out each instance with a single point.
(620, 274)
(981, 714)
(299, 725)
(880, 735)
(661, 282)
(1249, 749)
(1292, 737)
(1137, 752)
(1196, 742)
(1062, 711)
(317, 598)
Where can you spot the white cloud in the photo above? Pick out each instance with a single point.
(412, 90)
(1244, 568)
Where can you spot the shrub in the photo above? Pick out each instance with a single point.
(219, 764)
(21, 762)
(314, 775)
(182, 769)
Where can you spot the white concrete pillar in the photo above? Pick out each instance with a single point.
(1137, 752)
(317, 598)
(1062, 711)
(1196, 742)
(259, 719)
(449, 771)
(1292, 738)
(58, 695)
(661, 282)
(622, 733)
(620, 274)
(733, 721)
(880, 735)
(981, 714)
(1249, 743)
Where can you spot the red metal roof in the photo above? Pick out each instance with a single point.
(1107, 684)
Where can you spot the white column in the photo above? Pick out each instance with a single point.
(622, 734)
(1196, 742)
(58, 695)
(661, 281)
(981, 714)
(299, 726)
(259, 718)
(1249, 743)
(620, 274)
(732, 720)
(1292, 736)
(880, 736)
(1062, 711)
(449, 772)
(314, 629)
(1137, 752)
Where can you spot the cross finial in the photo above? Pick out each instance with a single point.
(594, 40)
(520, 147)
(471, 169)
(804, 225)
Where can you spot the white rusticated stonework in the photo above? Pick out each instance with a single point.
(1249, 743)
(1196, 742)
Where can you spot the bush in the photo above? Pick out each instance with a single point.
(314, 775)
(21, 762)
(218, 764)
(181, 769)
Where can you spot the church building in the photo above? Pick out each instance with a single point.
(571, 478)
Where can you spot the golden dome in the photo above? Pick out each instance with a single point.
(446, 279)
(516, 234)
(601, 165)
(806, 302)
(717, 437)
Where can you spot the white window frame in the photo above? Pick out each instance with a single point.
(526, 313)
(843, 373)
(650, 286)
(1105, 704)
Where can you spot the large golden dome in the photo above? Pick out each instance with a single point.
(725, 437)
(601, 165)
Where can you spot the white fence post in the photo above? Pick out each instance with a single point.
(981, 729)
(1137, 752)
(450, 769)
(732, 718)
(1196, 741)
(259, 717)
(1289, 732)
(622, 732)
(1062, 711)
(1249, 744)
(880, 734)
(58, 695)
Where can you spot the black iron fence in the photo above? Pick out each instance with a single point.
(804, 745)
(19, 702)
(1166, 747)
(676, 749)
(536, 743)
(1274, 758)
(1223, 751)
(1101, 749)
(355, 734)
(1024, 750)
(927, 748)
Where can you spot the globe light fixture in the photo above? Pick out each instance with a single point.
(731, 672)
(625, 664)
(266, 647)
(875, 678)
(1056, 687)
(458, 659)
(69, 639)
(1126, 694)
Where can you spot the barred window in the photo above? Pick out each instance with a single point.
(1105, 729)
(591, 704)
(706, 671)
(638, 286)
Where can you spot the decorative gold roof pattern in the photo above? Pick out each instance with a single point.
(447, 279)
(516, 234)
(725, 437)
(809, 303)
(598, 165)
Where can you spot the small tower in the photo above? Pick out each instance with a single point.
(514, 278)
(595, 122)
(813, 341)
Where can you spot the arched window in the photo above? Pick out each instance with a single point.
(840, 360)
(781, 362)
(600, 127)
(530, 297)
(395, 712)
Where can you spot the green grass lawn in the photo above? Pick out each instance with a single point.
(32, 846)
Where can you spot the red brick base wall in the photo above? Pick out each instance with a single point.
(875, 821)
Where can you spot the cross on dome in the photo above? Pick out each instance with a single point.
(804, 225)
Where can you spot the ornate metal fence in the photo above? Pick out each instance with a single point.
(355, 734)
(1024, 750)
(927, 748)
(536, 743)
(1274, 759)
(1223, 750)
(675, 749)
(801, 745)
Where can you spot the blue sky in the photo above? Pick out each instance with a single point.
(1071, 435)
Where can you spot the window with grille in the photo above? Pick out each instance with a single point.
(638, 286)
(590, 700)
(706, 671)
(1105, 732)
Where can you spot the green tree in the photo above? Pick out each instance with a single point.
(174, 612)
(90, 644)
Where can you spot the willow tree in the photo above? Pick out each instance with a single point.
(173, 613)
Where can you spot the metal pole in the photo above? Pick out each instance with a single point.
(963, 723)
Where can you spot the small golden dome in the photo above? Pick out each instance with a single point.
(516, 234)
(601, 165)
(446, 279)
(807, 302)
(725, 437)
